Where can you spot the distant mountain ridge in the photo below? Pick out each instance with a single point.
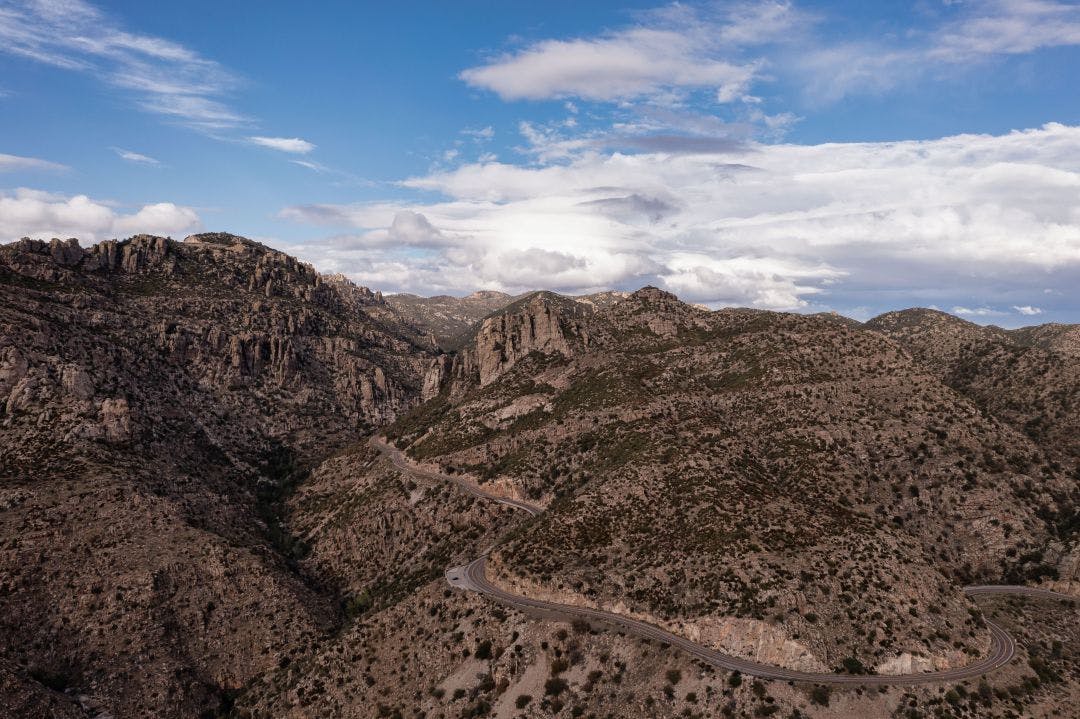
(452, 320)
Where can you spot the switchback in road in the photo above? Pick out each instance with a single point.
(472, 577)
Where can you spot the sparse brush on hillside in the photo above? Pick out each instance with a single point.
(192, 521)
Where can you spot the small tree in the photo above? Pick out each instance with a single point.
(820, 695)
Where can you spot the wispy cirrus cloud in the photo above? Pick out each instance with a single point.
(712, 59)
(12, 163)
(161, 76)
(969, 34)
(291, 145)
(135, 157)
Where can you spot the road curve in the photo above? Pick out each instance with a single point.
(473, 577)
(1017, 590)
(398, 459)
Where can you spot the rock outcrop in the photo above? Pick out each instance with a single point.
(542, 322)
(158, 400)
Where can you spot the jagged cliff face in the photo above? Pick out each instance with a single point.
(157, 401)
(540, 322)
(226, 312)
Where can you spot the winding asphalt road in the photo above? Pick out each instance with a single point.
(472, 577)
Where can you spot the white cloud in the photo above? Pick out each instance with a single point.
(135, 157)
(162, 76)
(671, 50)
(629, 64)
(1007, 27)
(32, 213)
(483, 133)
(1028, 310)
(13, 163)
(412, 228)
(975, 33)
(772, 226)
(293, 145)
(976, 312)
(724, 50)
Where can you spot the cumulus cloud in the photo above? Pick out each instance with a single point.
(32, 213)
(1028, 310)
(773, 226)
(12, 163)
(293, 145)
(162, 76)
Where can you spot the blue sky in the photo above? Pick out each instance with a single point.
(799, 156)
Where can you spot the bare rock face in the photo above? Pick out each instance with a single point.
(158, 400)
(543, 323)
(116, 420)
(434, 377)
(505, 339)
(452, 321)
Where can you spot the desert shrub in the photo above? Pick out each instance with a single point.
(555, 686)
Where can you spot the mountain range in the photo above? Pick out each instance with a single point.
(198, 518)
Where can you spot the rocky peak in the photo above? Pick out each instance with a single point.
(662, 313)
(650, 294)
(540, 322)
(487, 295)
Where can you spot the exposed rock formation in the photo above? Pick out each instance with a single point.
(158, 400)
(541, 322)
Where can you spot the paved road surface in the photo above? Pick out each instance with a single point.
(472, 577)
(398, 459)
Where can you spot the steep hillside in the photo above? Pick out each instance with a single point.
(785, 487)
(1029, 378)
(194, 523)
(159, 401)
